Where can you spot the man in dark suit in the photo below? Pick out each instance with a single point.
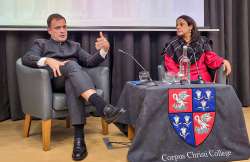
(63, 57)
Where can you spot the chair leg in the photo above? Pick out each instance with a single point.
(46, 133)
(67, 122)
(26, 125)
(105, 127)
(131, 132)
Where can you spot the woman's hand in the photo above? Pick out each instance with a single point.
(227, 67)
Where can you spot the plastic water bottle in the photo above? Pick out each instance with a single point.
(184, 67)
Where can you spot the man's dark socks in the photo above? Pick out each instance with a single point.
(78, 131)
(98, 102)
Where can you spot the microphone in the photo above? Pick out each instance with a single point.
(200, 80)
(123, 52)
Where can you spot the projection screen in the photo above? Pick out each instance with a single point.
(94, 13)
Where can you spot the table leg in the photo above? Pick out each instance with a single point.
(131, 132)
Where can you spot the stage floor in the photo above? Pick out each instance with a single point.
(15, 148)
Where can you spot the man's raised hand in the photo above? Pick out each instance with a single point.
(102, 43)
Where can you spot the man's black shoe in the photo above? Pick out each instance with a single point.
(79, 149)
(112, 113)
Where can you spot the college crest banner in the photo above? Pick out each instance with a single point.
(183, 123)
(192, 113)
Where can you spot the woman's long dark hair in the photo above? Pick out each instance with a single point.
(195, 35)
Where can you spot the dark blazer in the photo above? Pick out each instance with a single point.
(68, 50)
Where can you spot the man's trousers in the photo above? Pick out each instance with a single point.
(75, 81)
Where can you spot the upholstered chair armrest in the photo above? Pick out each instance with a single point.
(220, 76)
(35, 90)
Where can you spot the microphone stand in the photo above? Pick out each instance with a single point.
(149, 77)
(109, 144)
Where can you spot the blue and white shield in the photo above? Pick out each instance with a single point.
(192, 113)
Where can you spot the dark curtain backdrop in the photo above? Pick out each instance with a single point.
(233, 19)
(232, 42)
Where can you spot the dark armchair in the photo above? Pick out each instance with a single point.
(40, 101)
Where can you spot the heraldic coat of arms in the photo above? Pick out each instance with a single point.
(192, 113)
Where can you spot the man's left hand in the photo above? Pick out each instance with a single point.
(102, 43)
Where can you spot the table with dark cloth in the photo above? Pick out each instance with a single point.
(155, 139)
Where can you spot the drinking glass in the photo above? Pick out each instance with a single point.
(170, 77)
(144, 76)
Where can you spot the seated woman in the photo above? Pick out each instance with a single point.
(198, 51)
